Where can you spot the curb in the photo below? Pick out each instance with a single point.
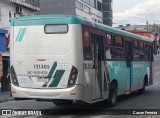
(6, 100)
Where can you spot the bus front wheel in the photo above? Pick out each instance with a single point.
(112, 94)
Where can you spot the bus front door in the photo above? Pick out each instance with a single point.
(97, 58)
(128, 49)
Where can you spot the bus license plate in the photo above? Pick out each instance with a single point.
(42, 80)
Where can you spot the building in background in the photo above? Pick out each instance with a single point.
(2, 49)
(15, 8)
(95, 10)
(10, 9)
(149, 31)
(155, 28)
(107, 12)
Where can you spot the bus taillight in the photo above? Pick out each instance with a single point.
(72, 77)
(14, 77)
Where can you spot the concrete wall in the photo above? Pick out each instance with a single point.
(57, 7)
(107, 12)
(93, 15)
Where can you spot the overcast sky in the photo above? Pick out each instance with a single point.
(136, 12)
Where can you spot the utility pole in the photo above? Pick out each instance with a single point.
(147, 25)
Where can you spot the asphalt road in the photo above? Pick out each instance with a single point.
(149, 101)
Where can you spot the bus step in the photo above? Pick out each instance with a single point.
(127, 92)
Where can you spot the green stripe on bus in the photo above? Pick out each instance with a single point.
(57, 77)
(52, 70)
(22, 34)
(50, 73)
(18, 34)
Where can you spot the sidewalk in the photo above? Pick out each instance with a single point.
(5, 96)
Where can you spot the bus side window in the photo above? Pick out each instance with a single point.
(118, 41)
(87, 44)
(142, 55)
(147, 52)
(136, 50)
(108, 44)
(118, 49)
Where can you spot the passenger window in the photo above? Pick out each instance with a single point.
(136, 44)
(118, 41)
(114, 51)
(108, 40)
(108, 43)
(141, 45)
(87, 44)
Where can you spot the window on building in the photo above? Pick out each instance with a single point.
(86, 9)
(94, 19)
(100, 22)
(10, 14)
(79, 5)
(87, 1)
(92, 3)
(99, 6)
(111, 5)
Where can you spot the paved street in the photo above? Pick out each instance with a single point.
(149, 100)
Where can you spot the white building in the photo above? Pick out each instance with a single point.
(10, 9)
(15, 8)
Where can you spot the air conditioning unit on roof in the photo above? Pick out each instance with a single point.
(19, 9)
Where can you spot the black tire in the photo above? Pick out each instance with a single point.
(112, 95)
(142, 90)
(63, 102)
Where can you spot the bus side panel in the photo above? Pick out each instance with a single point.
(139, 70)
(77, 58)
(117, 70)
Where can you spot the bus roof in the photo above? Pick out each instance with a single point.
(69, 19)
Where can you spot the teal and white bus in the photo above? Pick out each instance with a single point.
(65, 58)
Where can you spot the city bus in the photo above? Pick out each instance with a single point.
(66, 59)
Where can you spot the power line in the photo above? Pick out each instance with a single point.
(155, 6)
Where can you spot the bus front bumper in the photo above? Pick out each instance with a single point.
(74, 93)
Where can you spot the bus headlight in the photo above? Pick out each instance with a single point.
(72, 77)
(14, 77)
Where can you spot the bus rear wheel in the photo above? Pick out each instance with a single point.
(63, 102)
(112, 95)
(142, 90)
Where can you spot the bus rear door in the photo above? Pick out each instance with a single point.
(97, 80)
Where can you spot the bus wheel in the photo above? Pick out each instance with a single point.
(142, 90)
(112, 94)
(63, 102)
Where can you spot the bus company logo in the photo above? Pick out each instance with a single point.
(21, 34)
(20, 113)
(6, 112)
